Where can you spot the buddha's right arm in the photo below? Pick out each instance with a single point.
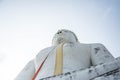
(27, 72)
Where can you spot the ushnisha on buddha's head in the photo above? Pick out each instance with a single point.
(64, 36)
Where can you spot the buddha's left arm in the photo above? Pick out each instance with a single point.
(100, 55)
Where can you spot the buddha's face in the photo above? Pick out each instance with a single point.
(64, 36)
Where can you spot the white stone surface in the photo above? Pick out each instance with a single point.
(100, 72)
(76, 56)
(27, 72)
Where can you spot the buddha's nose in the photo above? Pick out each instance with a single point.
(59, 32)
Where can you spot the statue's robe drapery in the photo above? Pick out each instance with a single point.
(75, 56)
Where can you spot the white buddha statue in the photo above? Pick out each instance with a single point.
(76, 56)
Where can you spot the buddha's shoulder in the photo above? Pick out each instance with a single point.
(45, 51)
(77, 45)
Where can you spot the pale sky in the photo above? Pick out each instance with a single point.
(28, 26)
